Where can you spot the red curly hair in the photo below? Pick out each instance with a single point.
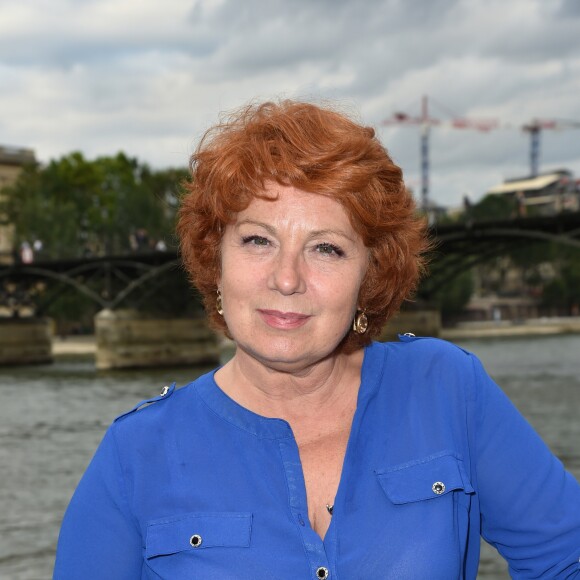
(317, 150)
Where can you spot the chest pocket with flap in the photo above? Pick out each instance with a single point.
(424, 479)
(197, 531)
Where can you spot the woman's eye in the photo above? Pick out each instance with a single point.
(255, 241)
(329, 250)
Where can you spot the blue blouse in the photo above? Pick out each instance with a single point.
(196, 486)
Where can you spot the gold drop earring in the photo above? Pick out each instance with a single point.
(361, 322)
(218, 303)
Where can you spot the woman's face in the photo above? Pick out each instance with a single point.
(291, 273)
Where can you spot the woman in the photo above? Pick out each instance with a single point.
(315, 452)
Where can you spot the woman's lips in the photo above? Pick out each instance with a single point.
(285, 320)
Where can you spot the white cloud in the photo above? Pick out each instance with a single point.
(148, 77)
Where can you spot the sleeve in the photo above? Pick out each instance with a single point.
(530, 505)
(99, 537)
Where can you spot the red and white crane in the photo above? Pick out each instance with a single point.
(425, 121)
(535, 128)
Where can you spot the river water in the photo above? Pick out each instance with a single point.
(52, 418)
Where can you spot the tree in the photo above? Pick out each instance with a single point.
(452, 297)
(78, 207)
(562, 293)
(492, 207)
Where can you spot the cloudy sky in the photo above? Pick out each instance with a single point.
(148, 76)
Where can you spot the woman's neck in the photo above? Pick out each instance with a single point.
(331, 385)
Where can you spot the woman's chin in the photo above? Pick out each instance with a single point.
(284, 356)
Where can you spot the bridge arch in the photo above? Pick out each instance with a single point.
(465, 246)
(133, 275)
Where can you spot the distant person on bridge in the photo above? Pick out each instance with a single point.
(316, 452)
(26, 253)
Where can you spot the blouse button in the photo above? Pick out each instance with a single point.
(438, 487)
(322, 573)
(195, 540)
(164, 391)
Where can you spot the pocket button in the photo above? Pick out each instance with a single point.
(438, 487)
(195, 540)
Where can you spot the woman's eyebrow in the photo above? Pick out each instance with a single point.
(331, 232)
(250, 222)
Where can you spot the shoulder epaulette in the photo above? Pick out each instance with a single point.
(166, 392)
(408, 337)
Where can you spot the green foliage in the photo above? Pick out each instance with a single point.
(78, 207)
(491, 207)
(170, 295)
(531, 253)
(563, 292)
(72, 311)
(452, 297)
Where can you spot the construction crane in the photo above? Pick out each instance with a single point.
(535, 128)
(425, 121)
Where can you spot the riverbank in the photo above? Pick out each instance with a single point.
(74, 345)
(509, 328)
(86, 345)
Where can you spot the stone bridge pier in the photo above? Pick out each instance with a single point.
(130, 339)
(124, 339)
(25, 341)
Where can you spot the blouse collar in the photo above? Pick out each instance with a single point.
(271, 428)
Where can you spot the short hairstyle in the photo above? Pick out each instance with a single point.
(315, 149)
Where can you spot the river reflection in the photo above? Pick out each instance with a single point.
(53, 417)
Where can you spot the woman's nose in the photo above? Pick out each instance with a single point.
(287, 276)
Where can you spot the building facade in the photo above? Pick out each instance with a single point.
(12, 159)
(545, 194)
